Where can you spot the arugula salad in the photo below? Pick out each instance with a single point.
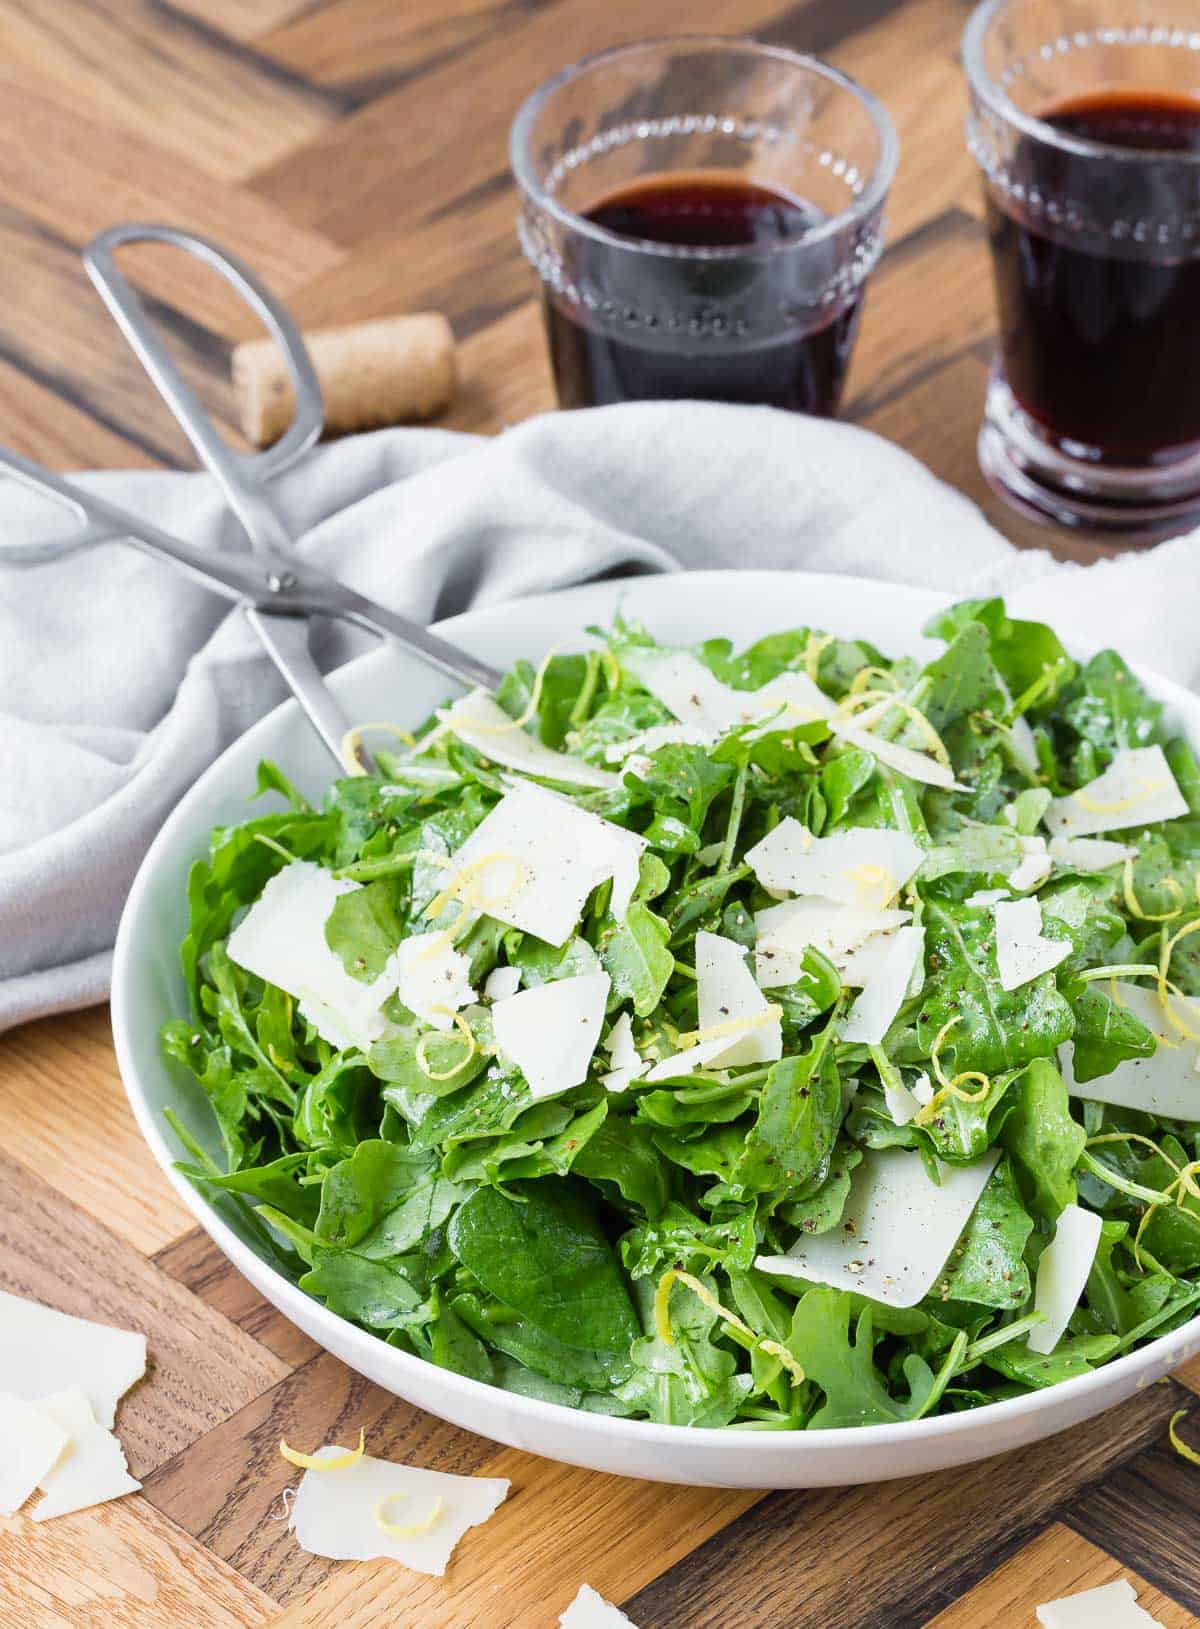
(774, 1039)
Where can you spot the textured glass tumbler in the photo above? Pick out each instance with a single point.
(737, 136)
(1085, 121)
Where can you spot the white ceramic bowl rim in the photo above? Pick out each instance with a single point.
(1168, 1350)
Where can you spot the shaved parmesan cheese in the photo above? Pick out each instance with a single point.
(42, 1351)
(282, 940)
(661, 735)
(482, 724)
(1022, 953)
(701, 1056)
(551, 1032)
(864, 866)
(433, 978)
(1136, 789)
(334, 1512)
(548, 855)
(627, 1062)
(725, 991)
(786, 931)
(591, 1611)
(897, 1230)
(694, 694)
(1089, 853)
(31, 1443)
(923, 1090)
(1062, 1273)
(501, 982)
(918, 766)
(986, 896)
(1112, 1606)
(91, 1468)
(902, 1104)
(1166, 1083)
(888, 967)
(1035, 865)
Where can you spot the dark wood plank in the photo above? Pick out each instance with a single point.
(896, 1554)
(1147, 1515)
(226, 1488)
(201, 1369)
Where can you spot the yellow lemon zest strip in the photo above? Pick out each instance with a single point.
(352, 741)
(864, 675)
(412, 1528)
(1132, 1137)
(1167, 988)
(812, 653)
(1146, 788)
(464, 882)
(939, 1040)
(531, 707)
(310, 1462)
(867, 698)
(732, 1026)
(1181, 1447)
(662, 1319)
(953, 1088)
(1133, 904)
(421, 1051)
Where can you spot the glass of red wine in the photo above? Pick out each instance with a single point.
(1085, 121)
(703, 214)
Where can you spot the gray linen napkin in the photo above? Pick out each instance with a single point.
(120, 681)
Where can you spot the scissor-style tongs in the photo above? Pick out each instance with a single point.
(280, 591)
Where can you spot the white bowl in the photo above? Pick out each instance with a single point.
(148, 988)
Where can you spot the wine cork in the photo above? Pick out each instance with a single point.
(389, 371)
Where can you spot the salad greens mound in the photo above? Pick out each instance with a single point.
(778, 1039)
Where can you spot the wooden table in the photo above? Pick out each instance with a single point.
(354, 151)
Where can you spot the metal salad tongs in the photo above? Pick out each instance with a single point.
(280, 591)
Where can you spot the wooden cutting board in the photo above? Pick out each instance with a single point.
(353, 151)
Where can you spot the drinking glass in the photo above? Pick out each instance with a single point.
(703, 214)
(1085, 121)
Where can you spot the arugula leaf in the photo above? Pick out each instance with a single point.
(545, 1254)
(1043, 1138)
(793, 1136)
(987, 1265)
(636, 958)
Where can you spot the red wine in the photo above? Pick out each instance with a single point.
(664, 327)
(1102, 349)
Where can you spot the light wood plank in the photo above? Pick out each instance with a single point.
(44, 425)
(246, 19)
(367, 42)
(174, 86)
(202, 1368)
(76, 173)
(67, 1114)
(357, 178)
(1056, 1563)
(118, 1566)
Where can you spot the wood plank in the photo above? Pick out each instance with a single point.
(53, 325)
(46, 426)
(175, 85)
(195, 1262)
(363, 45)
(202, 1369)
(118, 1566)
(75, 174)
(356, 179)
(504, 373)
(1146, 1516)
(606, 1531)
(1057, 1563)
(894, 1554)
(226, 1488)
(64, 1107)
(246, 19)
